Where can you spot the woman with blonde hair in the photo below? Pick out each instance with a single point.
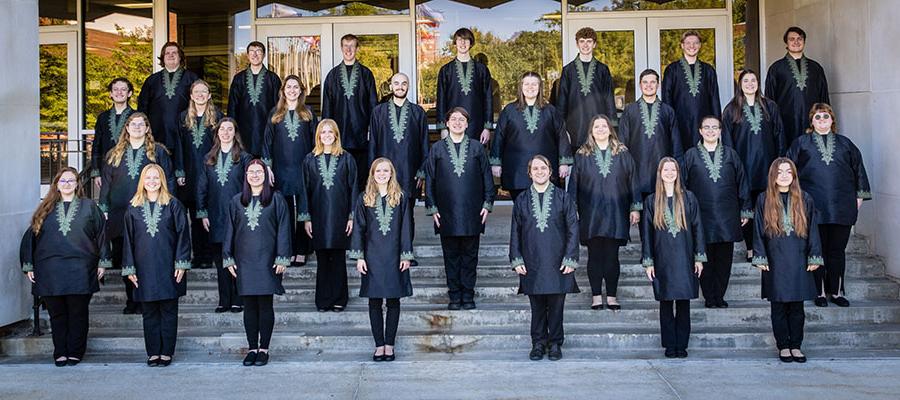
(156, 254)
(381, 244)
(325, 207)
(673, 252)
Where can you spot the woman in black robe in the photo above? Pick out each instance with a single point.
(256, 250)
(466, 83)
(691, 87)
(714, 173)
(752, 127)
(381, 244)
(546, 215)
(326, 210)
(135, 149)
(166, 93)
(221, 178)
(109, 125)
(527, 127)
(253, 93)
(673, 252)
(64, 253)
(155, 257)
(287, 140)
(831, 169)
(788, 250)
(604, 186)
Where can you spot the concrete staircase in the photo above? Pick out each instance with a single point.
(498, 329)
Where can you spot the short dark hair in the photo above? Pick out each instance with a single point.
(586, 33)
(350, 38)
(162, 53)
(649, 71)
(458, 110)
(120, 79)
(258, 44)
(795, 29)
(464, 33)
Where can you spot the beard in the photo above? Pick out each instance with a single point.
(400, 94)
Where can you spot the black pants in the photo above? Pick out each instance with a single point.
(202, 251)
(460, 262)
(116, 245)
(547, 318)
(834, 251)
(68, 323)
(300, 243)
(747, 230)
(603, 265)
(644, 213)
(228, 295)
(361, 156)
(160, 326)
(717, 271)
(675, 324)
(384, 330)
(331, 278)
(787, 324)
(259, 321)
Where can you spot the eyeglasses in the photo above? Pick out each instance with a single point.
(822, 116)
(710, 128)
(256, 173)
(67, 181)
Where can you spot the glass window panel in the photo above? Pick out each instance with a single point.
(381, 53)
(54, 113)
(746, 35)
(57, 12)
(301, 56)
(635, 5)
(319, 8)
(670, 46)
(616, 49)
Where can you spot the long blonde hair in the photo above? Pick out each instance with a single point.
(336, 148)
(140, 195)
(281, 108)
(772, 211)
(590, 144)
(53, 196)
(659, 202)
(394, 192)
(114, 157)
(209, 114)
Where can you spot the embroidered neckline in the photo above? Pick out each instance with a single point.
(223, 167)
(398, 123)
(465, 79)
(151, 217)
(800, 74)
(603, 159)
(115, 128)
(199, 132)
(384, 213)
(328, 169)
(458, 158)
(170, 84)
(133, 158)
(787, 223)
(252, 212)
(532, 115)
(693, 77)
(65, 218)
(541, 208)
(255, 89)
(584, 79)
(349, 83)
(826, 146)
(650, 117)
(669, 216)
(292, 124)
(714, 164)
(753, 115)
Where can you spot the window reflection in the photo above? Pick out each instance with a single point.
(57, 12)
(301, 56)
(54, 111)
(318, 8)
(635, 5)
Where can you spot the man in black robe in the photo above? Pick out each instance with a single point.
(110, 124)
(350, 96)
(165, 94)
(254, 91)
(690, 86)
(796, 83)
(465, 82)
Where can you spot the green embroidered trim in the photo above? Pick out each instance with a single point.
(253, 211)
(584, 79)
(198, 132)
(637, 206)
(303, 217)
(568, 262)
(787, 222)
(268, 162)
(649, 117)
(328, 169)
(398, 123)
(282, 261)
(714, 164)
(566, 161)
(355, 254)
(532, 115)
(420, 174)
(862, 194)
(800, 74)
(104, 263)
(495, 161)
(517, 262)
(254, 90)
(27, 267)
(128, 270)
(228, 262)
(541, 208)
(458, 158)
(487, 206)
(133, 160)
(826, 147)
(349, 83)
(384, 213)
(152, 217)
(292, 124)
(202, 214)
(95, 172)
(103, 208)
(179, 173)
(406, 256)
(700, 257)
(747, 214)
(431, 210)
(692, 77)
(753, 115)
(815, 260)
(223, 167)
(669, 216)
(488, 125)
(603, 159)
(115, 128)
(757, 260)
(171, 84)
(465, 79)
(65, 218)
(183, 264)
(647, 262)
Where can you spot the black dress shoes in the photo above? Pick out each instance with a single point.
(250, 359)
(840, 301)
(821, 301)
(469, 305)
(722, 303)
(390, 357)
(221, 309)
(72, 362)
(709, 303)
(377, 358)
(60, 363)
(597, 306)
(237, 309)
(671, 353)
(798, 359)
(681, 353)
(262, 358)
(614, 307)
(454, 306)
(785, 358)
(555, 352)
(165, 362)
(153, 362)
(537, 352)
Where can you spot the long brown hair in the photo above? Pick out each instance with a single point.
(336, 148)
(140, 195)
(371, 194)
(772, 211)
(213, 156)
(739, 100)
(520, 97)
(114, 157)
(822, 107)
(281, 108)
(659, 202)
(53, 196)
(191, 114)
(590, 144)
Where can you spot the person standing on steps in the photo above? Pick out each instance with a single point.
(166, 93)
(110, 124)
(465, 83)
(691, 87)
(253, 93)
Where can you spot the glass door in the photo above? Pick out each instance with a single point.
(60, 139)
(385, 47)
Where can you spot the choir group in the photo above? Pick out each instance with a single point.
(258, 190)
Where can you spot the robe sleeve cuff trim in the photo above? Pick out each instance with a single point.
(228, 262)
(202, 214)
(128, 270)
(27, 267)
(183, 264)
(95, 173)
(637, 206)
(863, 194)
(757, 260)
(267, 161)
(566, 161)
(518, 261)
(815, 260)
(647, 262)
(407, 256)
(569, 262)
(495, 161)
(179, 173)
(103, 207)
(747, 214)
(488, 125)
(356, 255)
(285, 261)
(700, 257)
(420, 174)
(431, 210)
(488, 206)
(105, 263)
(304, 217)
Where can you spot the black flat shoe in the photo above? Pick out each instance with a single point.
(798, 359)
(72, 362)
(250, 359)
(153, 362)
(324, 309)
(237, 309)
(555, 352)
(468, 305)
(60, 363)
(390, 357)
(262, 358)
(709, 304)
(377, 358)
(164, 362)
(337, 308)
(681, 354)
(537, 352)
(671, 353)
(840, 301)
(821, 302)
(596, 306)
(221, 309)
(785, 359)
(614, 307)
(454, 306)
(722, 304)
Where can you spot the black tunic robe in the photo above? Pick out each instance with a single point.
(164, 106)
(401, 135)
(249, 102)
(66, 254)
(605, 189)
(216, 186)
(460, 86)
(757, 143)
(286, 147)
(121, 182)
(327, 199)
(831, 170)
(690, 103)
(787, 256)
(578, 101)
(648, 149)
(795, 94)
(157, 242)
(106, 134)
(256, 239)
(382, 235)
(718, 182)
(673, 251)
(350, 96)
(458, 187)
(543, 237)
(516, 140)
(189, 162)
